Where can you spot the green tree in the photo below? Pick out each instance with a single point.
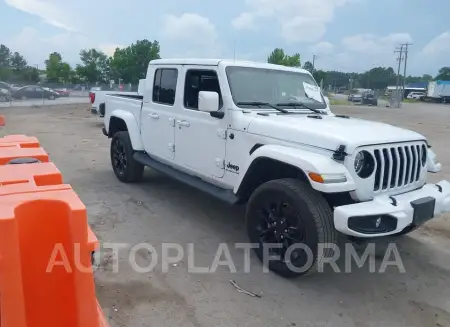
(319, 75)
(427, 78)
(5, 68)
(94, 67)
(57, 71)
(279, 57)
(17, 62)
(130, 64)
(444, 74)
(308, 66)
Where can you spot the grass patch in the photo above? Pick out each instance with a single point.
(335, 102)
(411, 100)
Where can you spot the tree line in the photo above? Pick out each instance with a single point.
(375, 78)
(129, 64)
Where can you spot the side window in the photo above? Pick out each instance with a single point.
(200, 80)
(29, 89)
(164, 86)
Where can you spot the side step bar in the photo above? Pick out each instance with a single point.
(222, 194)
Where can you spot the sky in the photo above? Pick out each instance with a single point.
(345, 35)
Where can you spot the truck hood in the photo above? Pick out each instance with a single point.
(330, 132)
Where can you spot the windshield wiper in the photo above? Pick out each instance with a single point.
(259, 104)
(299, 104)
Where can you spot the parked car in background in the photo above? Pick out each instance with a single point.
(350, 97)
(5, 95)
(63, 92)
(415, 95)
(356, 98)
(369, 99)
(35, 92)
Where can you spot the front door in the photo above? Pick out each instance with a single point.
(158, 114)
(200, 138)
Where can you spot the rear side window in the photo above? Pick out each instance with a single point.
(164, 86)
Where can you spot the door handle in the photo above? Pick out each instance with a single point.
(183, 123)
(154, 116)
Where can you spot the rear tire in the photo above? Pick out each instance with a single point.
(289, 212)
(126, 169)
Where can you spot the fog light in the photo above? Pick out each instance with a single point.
(378, 222)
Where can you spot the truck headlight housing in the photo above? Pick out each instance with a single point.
(424, 155)
(364, 164)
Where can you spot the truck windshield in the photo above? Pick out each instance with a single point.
(248, 84)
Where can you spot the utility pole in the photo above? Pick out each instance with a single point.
(313, 63)
(399, 59)
(404, 69)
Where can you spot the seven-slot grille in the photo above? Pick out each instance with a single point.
(398, 166)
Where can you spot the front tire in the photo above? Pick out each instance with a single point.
(288, 212)
(125, 168)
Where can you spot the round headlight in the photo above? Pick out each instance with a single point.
(364, 164)
(424, 155)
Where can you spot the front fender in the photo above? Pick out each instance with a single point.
(132, 126)
(308, 162)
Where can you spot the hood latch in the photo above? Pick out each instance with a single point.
(340, 154)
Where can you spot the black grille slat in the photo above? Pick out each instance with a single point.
(408, 165)
(387, 169)
(414, 163)
(402, 166)
(419, 158)
(378, 170)
(397, 166)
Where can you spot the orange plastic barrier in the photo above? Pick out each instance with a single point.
(16, 177)
(26, 178)
(13, 152)
(2, 121)
(46, 273)
(22, 141)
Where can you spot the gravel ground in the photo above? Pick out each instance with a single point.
(161, 210)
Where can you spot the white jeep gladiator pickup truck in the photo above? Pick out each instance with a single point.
(264, 135)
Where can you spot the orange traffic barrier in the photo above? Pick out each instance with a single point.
(13, 152)
(2, 121)
(16, 179)
(46, 272)
(22, 141)
(34, 174)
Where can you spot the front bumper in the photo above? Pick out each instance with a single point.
(397, 211)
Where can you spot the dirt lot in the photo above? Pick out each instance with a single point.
(161, 210)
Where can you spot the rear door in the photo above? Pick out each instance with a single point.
(158, 112)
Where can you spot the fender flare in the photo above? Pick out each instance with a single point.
(306, 161)
(132, 126)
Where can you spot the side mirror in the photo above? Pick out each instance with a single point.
(208, 101)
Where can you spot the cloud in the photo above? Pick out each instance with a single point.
(109, 49)
(68, 44)
(300, 20)
(193, 33)
(244, 21)
(438, 47)
(49, 12)
(322, 48)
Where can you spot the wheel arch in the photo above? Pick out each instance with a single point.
(270, 162)
(121, 120)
